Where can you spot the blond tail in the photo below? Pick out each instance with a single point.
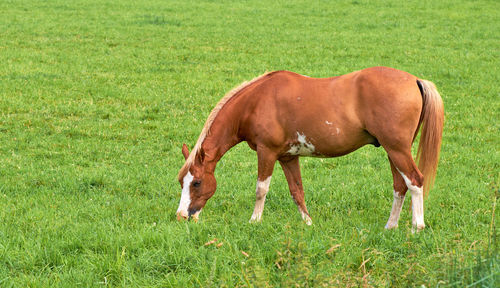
(431, 121)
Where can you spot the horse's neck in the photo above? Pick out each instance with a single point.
(222, 136)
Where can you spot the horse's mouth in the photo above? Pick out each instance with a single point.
(191, 214)
(194, 214)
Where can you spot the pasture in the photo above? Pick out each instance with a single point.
(97, 97)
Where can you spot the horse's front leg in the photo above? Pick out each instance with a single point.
(292, 173)
(266, 160)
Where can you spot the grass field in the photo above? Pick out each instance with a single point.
(97, 97)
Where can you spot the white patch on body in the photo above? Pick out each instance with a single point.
(397, 205)
(303, 148)
(260, 192)
(185, 197)
(328, 123)
(338, 130)
(417, 203)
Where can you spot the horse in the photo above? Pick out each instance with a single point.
(283, 115)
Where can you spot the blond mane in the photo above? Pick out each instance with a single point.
(206, 128)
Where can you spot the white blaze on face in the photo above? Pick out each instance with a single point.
(303, 148)
(328, 123)
(185, 197)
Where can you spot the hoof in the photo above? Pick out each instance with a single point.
(255, 219)
(390, 226)
(417, 228)
(307, 219)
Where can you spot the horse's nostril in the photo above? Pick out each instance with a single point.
(181, 216)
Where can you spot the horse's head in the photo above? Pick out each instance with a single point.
(198, 185)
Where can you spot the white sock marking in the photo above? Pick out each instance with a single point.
(261, 192)
(306, 217)
(397, 205)
(417, 203)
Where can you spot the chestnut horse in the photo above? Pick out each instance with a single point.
(283, 115)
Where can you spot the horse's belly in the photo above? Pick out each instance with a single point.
(331, 143)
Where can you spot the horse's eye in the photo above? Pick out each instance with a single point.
(196, 183)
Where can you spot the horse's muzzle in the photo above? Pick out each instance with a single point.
(182, 215)
(191, 214)
(194, 213)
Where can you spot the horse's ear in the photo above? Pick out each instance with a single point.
(200, 156)
(185, 151)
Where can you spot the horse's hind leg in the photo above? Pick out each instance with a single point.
(399, 194)
(266, 161)
(292, 174)
(404, 164)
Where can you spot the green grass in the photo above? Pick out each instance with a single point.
(97, 97)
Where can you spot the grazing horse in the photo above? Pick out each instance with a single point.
(283, 115)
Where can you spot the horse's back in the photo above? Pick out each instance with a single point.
(321, 110)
